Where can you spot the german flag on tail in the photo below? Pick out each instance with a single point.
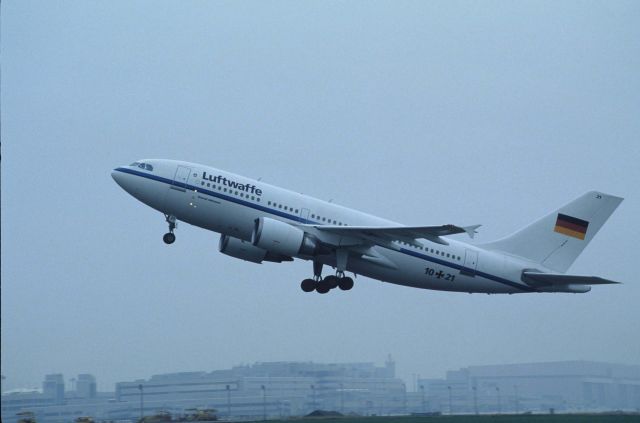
(571, 226)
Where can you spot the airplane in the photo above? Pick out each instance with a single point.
(260, 223)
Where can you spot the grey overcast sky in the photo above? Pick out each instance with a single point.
(421, 112)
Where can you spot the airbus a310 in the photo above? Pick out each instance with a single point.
(259, 223)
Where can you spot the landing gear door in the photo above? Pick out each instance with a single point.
(470, 262)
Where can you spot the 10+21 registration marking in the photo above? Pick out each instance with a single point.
(429, 271)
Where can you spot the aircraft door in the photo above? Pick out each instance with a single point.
(304, 215)
(470, 262)
(182, 177)
(180, 200)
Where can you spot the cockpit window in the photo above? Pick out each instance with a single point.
(145, 166)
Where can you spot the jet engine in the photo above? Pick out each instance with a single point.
(243, 250)
(282, 238)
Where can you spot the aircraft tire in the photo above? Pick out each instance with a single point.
(323, 287)
(345, 283)
(169, 238)
(308, 285)
(332, 281)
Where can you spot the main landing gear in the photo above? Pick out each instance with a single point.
(170, 237)
(322, 286)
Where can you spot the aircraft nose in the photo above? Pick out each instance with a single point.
(124, 180)
(118, 177)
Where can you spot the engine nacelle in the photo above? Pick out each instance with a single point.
(244, 250)
(282, 238)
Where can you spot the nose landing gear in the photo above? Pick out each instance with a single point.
(169, 237)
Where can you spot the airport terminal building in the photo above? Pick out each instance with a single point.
(271, 390)
(566, 386)
(285, 389)
(279, 389)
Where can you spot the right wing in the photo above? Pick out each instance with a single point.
(386, 234)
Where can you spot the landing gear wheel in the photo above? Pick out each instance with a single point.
(345, 283)
(308, 285)
(332, 281)
(169, 238)
(323, 287)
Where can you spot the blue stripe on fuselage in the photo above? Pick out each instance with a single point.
(466, 269)
(306, 221)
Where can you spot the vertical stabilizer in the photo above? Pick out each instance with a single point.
(556, 240)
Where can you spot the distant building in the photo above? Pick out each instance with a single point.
(279, 389)
(276, 389)
(86, 386)
(53, 387)
(53, 403)
(283, 389)
(563, 386)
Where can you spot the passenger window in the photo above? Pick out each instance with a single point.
(208, 184)
(252, 197)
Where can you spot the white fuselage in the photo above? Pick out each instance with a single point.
(230, 204)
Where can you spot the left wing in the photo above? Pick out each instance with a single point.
(387, 234)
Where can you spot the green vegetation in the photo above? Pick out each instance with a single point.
(521, 418)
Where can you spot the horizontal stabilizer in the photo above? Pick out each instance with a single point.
(541, 280)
